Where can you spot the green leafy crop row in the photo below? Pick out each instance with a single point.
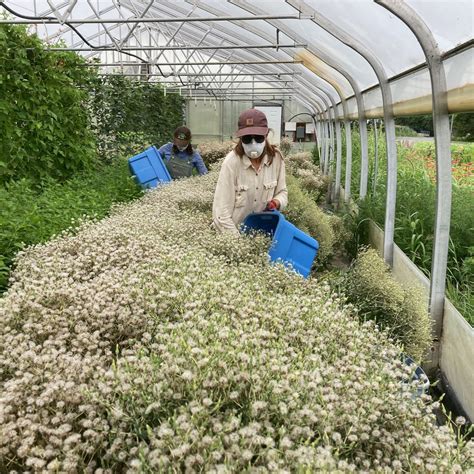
(45, 130)
(57, 117)
(121, 108)
(29, 216)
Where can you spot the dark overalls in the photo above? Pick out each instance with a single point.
(181, 164)
(180, 167)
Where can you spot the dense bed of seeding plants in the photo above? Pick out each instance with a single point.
(146, 342)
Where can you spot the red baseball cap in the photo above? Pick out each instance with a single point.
(252, 122)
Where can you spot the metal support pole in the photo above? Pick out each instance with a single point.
(337, 184)
(134, 27)
(191, 74)
(97, 14)
(236, 99)
(225, 81)
(379, 71)
(62, 17)
(319, 133)
(186, 61)
(86, 21)
(217, 30)
(342, 36)
(348, 177)
(334, 123)
(328, 164)
(35, 9)
(191, 37)
(256, 11)
(180, 48)
(327, 144)
(376, 159)
(330, 170)
(276, 95)
(364, 158)
(171, 38)
(217, 63)
(50, 38)
(173, 8)
(443, 154)
(193, 51)
(323, 143)
(244, 89)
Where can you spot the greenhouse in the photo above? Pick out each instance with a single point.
(236, 236)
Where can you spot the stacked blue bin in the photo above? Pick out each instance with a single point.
(290, 245)
(149, 169)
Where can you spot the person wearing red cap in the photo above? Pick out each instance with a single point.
(252, 176)
(179, 156)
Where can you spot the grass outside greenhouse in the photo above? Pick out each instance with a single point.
(415, 213)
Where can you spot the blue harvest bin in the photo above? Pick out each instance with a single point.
(148, 168)
(290, 245)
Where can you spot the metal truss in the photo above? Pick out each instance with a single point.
(138, 17)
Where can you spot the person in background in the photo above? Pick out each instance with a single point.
(179, 156)
(252, 176)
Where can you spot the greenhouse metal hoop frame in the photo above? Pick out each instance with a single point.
(319, 79)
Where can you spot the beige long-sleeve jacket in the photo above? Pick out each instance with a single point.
(241, 190)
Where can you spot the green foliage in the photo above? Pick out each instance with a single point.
(415, 217)
(419, 123)
(44, 125)
(315, 155)
(53, 114)
(306, 188)
(343, 235)
(460, 281)
(463, 126)
(130, 143)
(29, 216)
(355, 170)
(402, 311)
(122, 107)
(309, 175)
(375, 169)
(460, 153)
(304, 213)
(404, 131)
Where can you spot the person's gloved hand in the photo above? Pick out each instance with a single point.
(272, 205)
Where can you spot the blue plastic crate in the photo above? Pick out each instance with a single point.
(290, 245)
(148, 168)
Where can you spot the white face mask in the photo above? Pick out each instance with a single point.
(182, 148)
(254, 150)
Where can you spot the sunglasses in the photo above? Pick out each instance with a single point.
(247, 139)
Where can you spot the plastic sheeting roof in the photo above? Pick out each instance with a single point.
(313, 57)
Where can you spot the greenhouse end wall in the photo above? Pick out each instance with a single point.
(211, 120)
